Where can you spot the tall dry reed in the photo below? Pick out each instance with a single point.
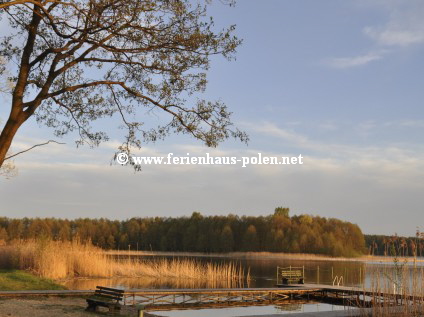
(59, 260)
(396, 290)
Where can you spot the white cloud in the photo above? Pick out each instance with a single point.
(404, 27)
(394, 37)
(405, 124)
(271, 129)
(364, 128)
(349, 62)
(345, 152)
(328, 126)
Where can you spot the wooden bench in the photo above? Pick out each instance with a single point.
(105, 297)
(294, 276)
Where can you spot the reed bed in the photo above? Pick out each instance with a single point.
(61, 260)
(396, 290)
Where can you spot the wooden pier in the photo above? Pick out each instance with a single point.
(163, 299)
(295, 294)
(166, 299)
(207, 298)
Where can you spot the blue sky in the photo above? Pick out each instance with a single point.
(339, 82)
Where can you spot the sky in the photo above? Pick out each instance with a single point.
(338, 82)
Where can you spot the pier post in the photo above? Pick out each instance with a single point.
(345, 275)
(277, 275)
(140, 310)
(318, 274)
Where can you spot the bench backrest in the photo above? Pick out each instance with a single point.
(109, 293)
(291, 273)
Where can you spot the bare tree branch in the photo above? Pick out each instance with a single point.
(32, 147)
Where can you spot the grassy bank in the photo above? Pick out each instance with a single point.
(60, 260)
(15, 280)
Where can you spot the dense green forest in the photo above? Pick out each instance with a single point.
(395, 245)
(275, 233)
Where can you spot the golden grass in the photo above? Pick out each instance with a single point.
(147, 282)
(60, 260)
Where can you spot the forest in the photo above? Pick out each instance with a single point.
(395, 245)
(274, 233)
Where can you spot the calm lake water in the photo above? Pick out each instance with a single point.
(252, 310)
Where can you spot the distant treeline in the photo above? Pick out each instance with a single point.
(395, 245)
(275, 233)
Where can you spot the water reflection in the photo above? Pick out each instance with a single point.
(289, 307)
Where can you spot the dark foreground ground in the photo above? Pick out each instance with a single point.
(50, 307)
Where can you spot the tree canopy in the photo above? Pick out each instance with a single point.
(72, 62)
(274, 233)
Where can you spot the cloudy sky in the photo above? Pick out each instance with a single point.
(340, 82)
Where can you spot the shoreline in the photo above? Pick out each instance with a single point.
(267, 255)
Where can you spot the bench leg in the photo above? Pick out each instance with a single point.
(114, 308)
(92, 307)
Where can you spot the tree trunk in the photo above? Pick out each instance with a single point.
(17, 114)
(8, 133)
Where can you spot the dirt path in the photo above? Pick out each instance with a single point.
(51, 307)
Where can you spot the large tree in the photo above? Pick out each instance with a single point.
(75, 61)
